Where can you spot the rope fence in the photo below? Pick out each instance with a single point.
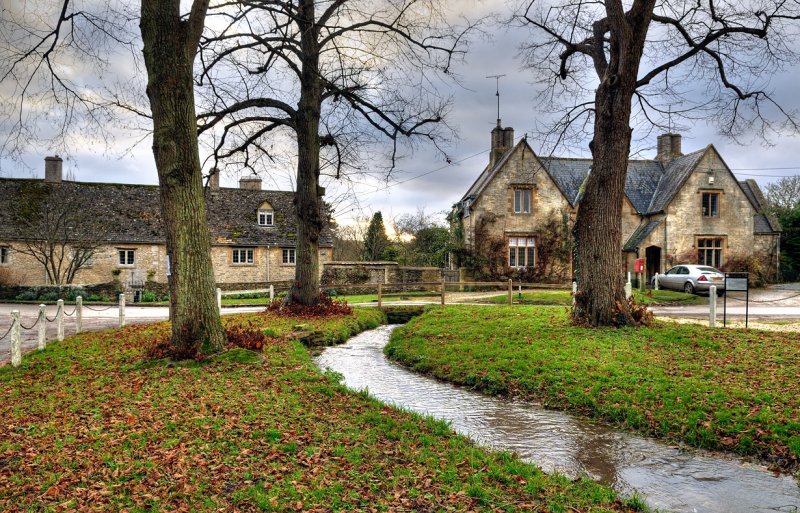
(17, 327)
(100, 309)
(7, 331)
(32, 326)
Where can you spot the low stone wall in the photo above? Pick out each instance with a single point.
(357, 273)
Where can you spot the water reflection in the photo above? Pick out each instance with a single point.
(668, 478)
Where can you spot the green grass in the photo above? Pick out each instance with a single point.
(564, 298)
(90, 424)
(726, 389)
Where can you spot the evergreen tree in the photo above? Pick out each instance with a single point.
(376, 242)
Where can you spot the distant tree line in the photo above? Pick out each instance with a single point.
(417, 240)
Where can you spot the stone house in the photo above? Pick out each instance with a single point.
(677, 209)
(252, 231)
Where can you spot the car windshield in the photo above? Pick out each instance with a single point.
(708, 270)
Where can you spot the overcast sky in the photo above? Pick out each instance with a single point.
(426, 180)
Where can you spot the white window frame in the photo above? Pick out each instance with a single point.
(522, 201)
(126, 257)
(288, 256)
(266, 217)
(242, 256)
(521, 249)
(4, 252)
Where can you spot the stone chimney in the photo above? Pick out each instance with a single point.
(252, 182)
(669, 147)
(53, 167)
(502, 141)
(213, 179)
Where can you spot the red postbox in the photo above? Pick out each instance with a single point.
(638, 265)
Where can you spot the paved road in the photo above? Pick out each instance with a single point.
(779, 302)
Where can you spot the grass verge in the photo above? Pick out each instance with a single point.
(724, 389)
(87, 424)
(564, 298)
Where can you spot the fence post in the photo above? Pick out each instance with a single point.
(121, 310)
(16, 339)
(628, 290)
(574, 291)
(219, 300)
(655, 281)
(42, 327)
(271, 293)
(380, 294)
(60, 320)
(442, 290)
(78, 314)
(712, 307)
(510, 292)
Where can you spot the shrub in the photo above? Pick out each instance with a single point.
(149, 297)
(28, 295)
(326, 307)
(246, 338)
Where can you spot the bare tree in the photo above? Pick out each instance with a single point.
(338, 75)
(38, 64)
(56, 232)
(609, 63)
(348, 243)
(784, 193)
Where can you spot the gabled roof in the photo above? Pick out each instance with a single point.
(650, 186)
(674, 176)
(568, 175)
(131, 213)
(762, 222)
(640, 234)
(488, 172)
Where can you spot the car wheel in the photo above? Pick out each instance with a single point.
(688, 287)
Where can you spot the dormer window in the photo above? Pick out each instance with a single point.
(266, 217)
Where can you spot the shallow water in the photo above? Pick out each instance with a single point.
(668, 478)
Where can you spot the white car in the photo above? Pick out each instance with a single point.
(691, 278)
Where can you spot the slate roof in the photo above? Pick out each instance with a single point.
(132, 215)
(672, 179)
(762, 223)
(640, 234)
(568, 175)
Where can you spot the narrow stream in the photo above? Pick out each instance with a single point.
(668, 478)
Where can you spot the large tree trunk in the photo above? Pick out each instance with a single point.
(600, 298)
(170, 45)
(308, 202)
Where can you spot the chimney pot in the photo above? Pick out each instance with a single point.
(53, 167)
(213, 180)
(668, 147)
(252, 182)
(502, 141)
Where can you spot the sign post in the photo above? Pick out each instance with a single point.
(737, 282)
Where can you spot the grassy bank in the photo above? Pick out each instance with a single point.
(727, 389)
(89, 424)
(564, 298)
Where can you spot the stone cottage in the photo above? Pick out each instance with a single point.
(678, 208)
(252, 231)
